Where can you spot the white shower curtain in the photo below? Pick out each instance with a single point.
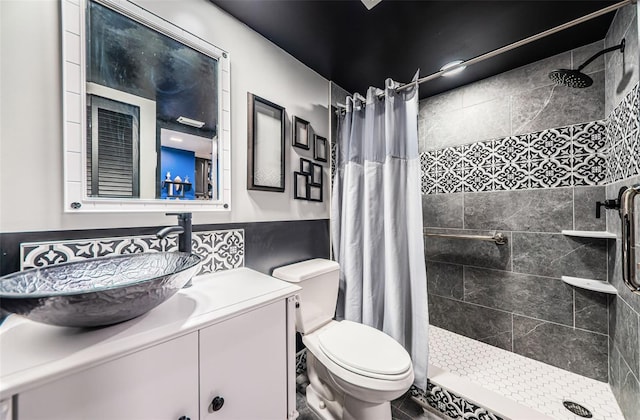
(377, 220)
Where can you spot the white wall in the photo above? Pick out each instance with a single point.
(31, 177)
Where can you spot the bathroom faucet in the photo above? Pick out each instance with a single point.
(183, 229)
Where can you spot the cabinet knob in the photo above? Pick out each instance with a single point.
(184, 418)
(217, 403)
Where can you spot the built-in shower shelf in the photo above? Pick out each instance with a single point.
(589, 234)
(595, 285)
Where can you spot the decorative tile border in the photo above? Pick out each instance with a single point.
(623, 127)
(449, 404)
(220, 249)
(557, 157)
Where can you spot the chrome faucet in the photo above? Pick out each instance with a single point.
(183, 229)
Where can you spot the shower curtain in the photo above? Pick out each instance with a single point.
(377, 220)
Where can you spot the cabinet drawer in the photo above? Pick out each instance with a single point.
(152, 384)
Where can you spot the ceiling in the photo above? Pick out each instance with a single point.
(357, 48)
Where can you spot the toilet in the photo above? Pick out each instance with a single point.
(354, 370)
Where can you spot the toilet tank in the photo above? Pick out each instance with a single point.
(318, 279)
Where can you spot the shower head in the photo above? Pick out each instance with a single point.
(571, 78)
(576, 78)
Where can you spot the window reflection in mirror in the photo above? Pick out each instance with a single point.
(152, 113)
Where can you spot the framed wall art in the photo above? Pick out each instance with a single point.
(265, 155)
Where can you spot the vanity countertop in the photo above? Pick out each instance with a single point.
(32, 353)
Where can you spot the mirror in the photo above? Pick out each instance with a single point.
(147, 127)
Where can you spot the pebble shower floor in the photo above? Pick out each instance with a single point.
(526, 381)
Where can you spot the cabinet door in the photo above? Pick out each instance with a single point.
(152, 384)
(243, 360)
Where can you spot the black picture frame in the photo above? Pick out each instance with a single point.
(315, 177)
(300, 186)
(301, 133)
(320, 148)
(306, 166)
(314, 193)
(264, 135)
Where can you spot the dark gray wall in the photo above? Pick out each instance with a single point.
(621, 102)
(516, 154)
(267, 244)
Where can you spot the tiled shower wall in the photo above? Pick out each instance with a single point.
(624, 165)
(517, 154)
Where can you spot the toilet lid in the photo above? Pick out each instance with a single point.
(360, 347)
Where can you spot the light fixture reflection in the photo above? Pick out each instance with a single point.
(454, 71)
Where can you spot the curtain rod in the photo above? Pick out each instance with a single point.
(520, 43)
(515, 45)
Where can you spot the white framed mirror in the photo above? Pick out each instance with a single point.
(146, 112)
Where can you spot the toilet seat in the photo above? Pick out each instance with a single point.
(368, 380)
(364, 350)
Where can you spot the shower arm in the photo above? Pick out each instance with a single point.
(620, 47)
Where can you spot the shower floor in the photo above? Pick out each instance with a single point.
(528, 382)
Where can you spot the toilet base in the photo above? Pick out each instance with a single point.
(330, 403)
(353, 409)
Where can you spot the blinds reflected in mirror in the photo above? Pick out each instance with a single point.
(112, 148)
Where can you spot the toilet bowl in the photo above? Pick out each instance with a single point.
(354, 370)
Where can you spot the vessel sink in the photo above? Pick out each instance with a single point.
(97, 291)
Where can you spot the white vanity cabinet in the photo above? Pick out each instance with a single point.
(155, 383)
(241, 361)
(236, 345)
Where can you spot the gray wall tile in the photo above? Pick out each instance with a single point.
(621, 69)
(614, 369)
(443, 130)
(538, 297)
(517, 80)
(584, 208)
(578, 351)
(629, 391)
(486, 120)
(615, 275)
(484, 324)
(444, 102)
(442, 210)
(582, 54)
(556, 106)
(591, 311)
(543, 210)
(468, 252)
(555, 255)
(338, 95)
(623, 329)
(445, 280)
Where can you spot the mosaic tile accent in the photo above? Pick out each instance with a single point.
(450, 404)
(548, 144)
(622, 139)
(557, 157)
(220, 249)
(510, 150)
(301, 362)
(526, 381)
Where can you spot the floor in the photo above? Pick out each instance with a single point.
(401, 409)
(525, 381)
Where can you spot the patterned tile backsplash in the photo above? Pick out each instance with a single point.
(592, 153)
(219, 249)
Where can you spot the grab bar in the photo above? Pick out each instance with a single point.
(498, 237)
(628, 237)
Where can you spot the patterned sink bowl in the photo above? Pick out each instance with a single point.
(97, 291)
